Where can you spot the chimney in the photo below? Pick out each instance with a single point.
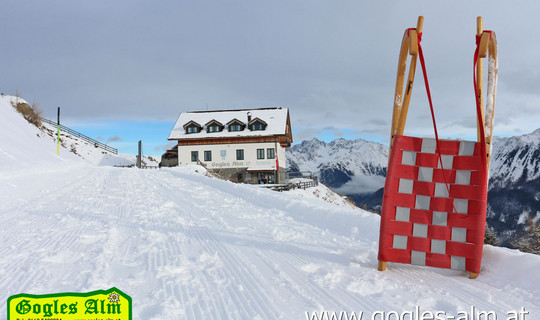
(249, 116)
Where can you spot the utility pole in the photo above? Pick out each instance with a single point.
(58, 134)
(139, 155)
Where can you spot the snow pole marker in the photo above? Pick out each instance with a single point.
(58, 133)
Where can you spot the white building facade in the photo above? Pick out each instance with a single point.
(246, 145)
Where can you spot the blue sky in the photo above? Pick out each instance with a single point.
(125, 135)
(126, 69)
(153, 134)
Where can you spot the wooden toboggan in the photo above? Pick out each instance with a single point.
(435, 196)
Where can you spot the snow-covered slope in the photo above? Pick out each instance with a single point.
(322, 192)
(25, 147)
(515, 159)
(514, 184)
(12, 125)
(186, 246)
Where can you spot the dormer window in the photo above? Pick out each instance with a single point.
(214, 126)
(257, 125)
(236, 125)
(192, 127)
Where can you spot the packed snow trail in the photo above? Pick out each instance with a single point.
(185, 246)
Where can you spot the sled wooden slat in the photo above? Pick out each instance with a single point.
(491, 88)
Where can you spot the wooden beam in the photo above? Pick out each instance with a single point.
(283, 140)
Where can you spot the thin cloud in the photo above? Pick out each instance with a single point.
(114, 138)
(306, 134)
(362, 184)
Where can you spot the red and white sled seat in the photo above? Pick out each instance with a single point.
(434, 214)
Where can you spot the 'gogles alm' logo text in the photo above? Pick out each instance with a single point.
(110, 304)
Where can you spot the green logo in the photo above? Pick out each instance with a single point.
(111, 304)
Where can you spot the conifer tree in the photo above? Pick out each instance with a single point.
(530, 242)
(490, 236)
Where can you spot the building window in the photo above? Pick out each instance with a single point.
(270, 153)
(214, 128)
(208, 156)
(235, 127)
(257, 126)
(193, 129)
(240, 154)
(260, 153)
(194, 156)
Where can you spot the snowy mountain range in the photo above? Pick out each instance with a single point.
(515, 159)
(514, 184)
(357, 168)
(348, 166)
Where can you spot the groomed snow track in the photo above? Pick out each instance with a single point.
(185, 246)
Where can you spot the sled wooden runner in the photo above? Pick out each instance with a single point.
(435, 197)
(409, 46)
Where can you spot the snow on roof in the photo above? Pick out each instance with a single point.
(275, 118)
(272, 168)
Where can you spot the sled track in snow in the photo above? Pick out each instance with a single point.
(185, 246)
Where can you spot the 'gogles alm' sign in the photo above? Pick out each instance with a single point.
(110, 304)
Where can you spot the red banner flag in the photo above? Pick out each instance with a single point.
(277, 161)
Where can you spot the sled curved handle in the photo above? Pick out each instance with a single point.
(487, 48)
(409, 46)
